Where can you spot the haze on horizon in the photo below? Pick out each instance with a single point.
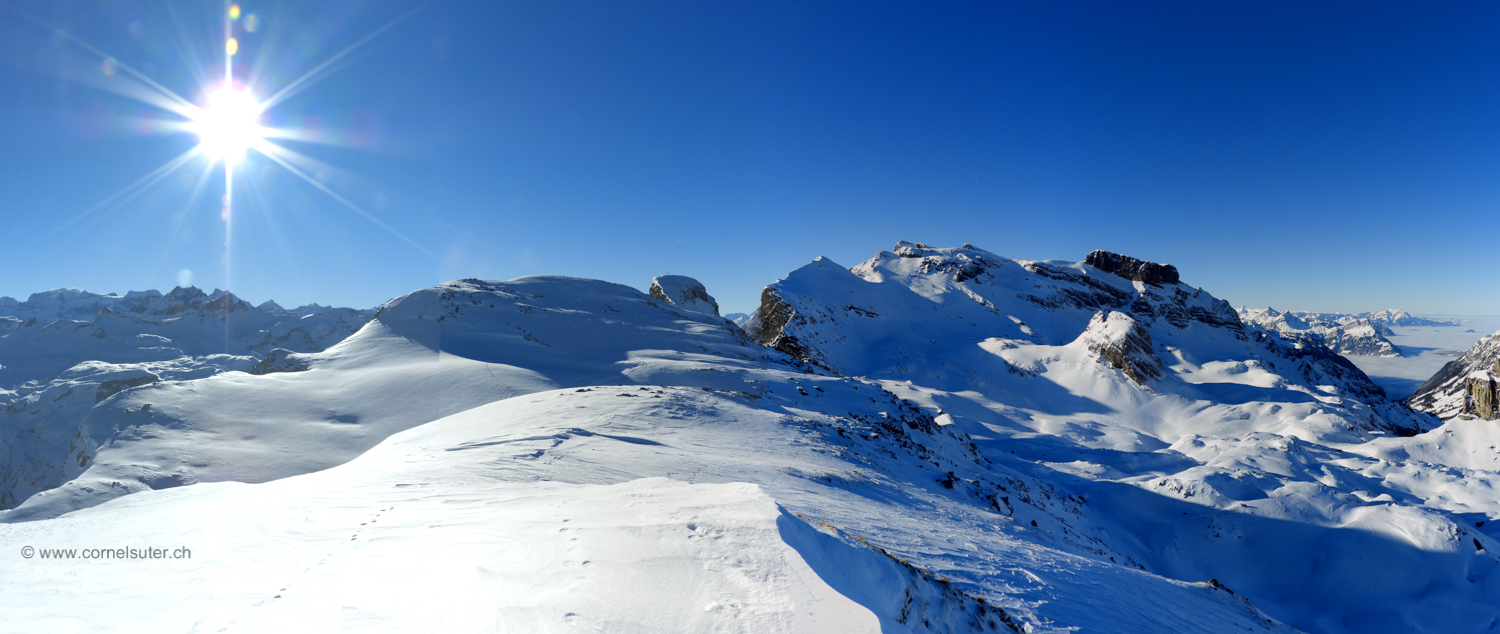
(1333, 157)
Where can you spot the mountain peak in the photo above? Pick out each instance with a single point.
(1133, 269)
(684, 292)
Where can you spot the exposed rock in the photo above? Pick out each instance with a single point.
(774, 315)
(115, 386)
(1133, 269)
(280, 360)
(1446, 393)
(1125, 345)
(685, 293)
(1480, 394)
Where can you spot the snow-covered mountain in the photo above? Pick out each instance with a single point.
(936, 440)
(1360, 335)
(1443, 394)
(61, 328)
(63, 351)
(1395, 318)
(958, 318)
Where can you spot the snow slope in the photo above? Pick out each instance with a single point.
(616, 508)
(75, 349)
(1086, 446)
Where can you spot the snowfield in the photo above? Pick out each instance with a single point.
(936, 440)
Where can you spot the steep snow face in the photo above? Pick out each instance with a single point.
(1360, 335)
(685, 293)
(1443, 394)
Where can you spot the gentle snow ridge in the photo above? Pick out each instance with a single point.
(936, 440)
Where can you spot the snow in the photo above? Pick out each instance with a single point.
(1362, 335)
(351, 551)
(551, 511)
(1428, 349)
(934, 440)
(685, 293)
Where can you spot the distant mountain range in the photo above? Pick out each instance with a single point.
(933, 440)
(1362, 334)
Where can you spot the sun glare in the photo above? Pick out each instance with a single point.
(228, 124)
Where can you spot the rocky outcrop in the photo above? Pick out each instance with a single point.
(1126, 345)
(1444, 395)
(280, 360)
(1480, 394)
(685, 293)
(1133, 269)
(770, 327)
(115, 386)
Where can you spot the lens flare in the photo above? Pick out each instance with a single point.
(228, 123)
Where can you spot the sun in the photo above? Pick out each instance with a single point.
(228, 123)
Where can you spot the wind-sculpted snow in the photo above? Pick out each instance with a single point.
(937, 440)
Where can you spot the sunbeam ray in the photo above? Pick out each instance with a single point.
(316, 74)
(263, 200)
(310, 164)
(271, 150)
(183, 106)
(125, 195)
(125, 86)
(179, 220)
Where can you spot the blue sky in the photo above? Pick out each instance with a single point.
(1337, 157)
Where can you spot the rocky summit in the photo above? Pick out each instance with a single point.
(937, 439)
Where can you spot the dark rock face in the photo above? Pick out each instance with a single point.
(1480, 395)
(683, 292)
(1444, 395)
(280, 360)
(113, 387)
(1125, 345)
(775, 314)
(1133, 269)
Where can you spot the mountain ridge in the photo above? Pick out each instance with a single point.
(1077, 448)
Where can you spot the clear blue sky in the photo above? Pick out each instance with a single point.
(1322, 156)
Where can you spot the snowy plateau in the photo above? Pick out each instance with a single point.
(935, 440)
